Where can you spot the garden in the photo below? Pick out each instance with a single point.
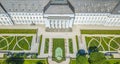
(108, 43)
(58, 49)
(16, 43)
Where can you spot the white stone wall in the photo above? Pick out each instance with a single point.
(27, 18)
(105, 19)
(5, 20)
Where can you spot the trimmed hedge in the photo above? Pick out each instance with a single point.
(77, 42)
(40, 44)
(18, 31)
(100, 31)
(70, 45)
(46, 48)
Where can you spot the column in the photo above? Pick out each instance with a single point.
(63, 23)
(56, 26)
(46, 23)
(60, 23)
(67, 24)
(49, 23)
(71, 22)
(52, 25)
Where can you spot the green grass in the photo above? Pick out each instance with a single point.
(18, 31)
(40, 44)
(12, 40)
(77, 42)
(104, 41)
(43, 61)
(46, 45)
(72, 61)
(113, 61)
(70, 45)
(100, 31)
(58, 42)
(29, 61)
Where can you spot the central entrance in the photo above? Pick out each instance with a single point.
(59, 16)
(59, 24)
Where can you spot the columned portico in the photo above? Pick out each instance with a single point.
(58, 24)
(59, 15)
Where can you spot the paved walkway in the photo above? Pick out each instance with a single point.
(50, 35)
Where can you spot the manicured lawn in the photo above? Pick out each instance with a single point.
(15, 42)
(113, 61)
(113, 42)
(58, 42)
(46, 45)
(40, 44)
(72, 61)
(77, 42)
(41, 61)
(2, 62)
(70, 45)
(18, 31)
(100, 31)
(30, 61)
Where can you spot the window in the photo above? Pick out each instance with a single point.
(5, 18)
(1, 18)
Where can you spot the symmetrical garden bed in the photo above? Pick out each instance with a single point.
(108, 43)
(15, 42)
(58, 43)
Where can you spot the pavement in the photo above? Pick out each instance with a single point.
(66, 35)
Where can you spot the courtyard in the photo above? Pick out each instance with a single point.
(57, 47)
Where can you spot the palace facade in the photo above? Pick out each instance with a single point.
(60, 13)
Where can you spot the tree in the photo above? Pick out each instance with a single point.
(15, 60)
(92, 49)
(106, 62)
(81, 52)
(97, 58)
(81, 60)
(39, 62)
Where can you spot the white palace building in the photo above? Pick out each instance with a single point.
(60, 13)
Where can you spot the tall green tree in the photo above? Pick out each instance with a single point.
(81, 60)
(15, 60)
(97, 58)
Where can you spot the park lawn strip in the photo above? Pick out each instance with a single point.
(72, 61)
(113, 61)
(58, 42)
(77, 42)
(36, 61)
(100, 31)
(70, 45)
(46, 45)
(40, 44)
(18, 31)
